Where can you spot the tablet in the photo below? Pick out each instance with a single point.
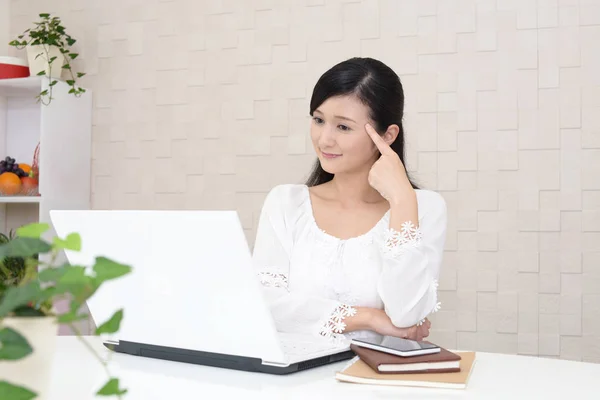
(398, 346)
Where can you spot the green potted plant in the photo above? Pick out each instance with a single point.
(49, 54)
(29, 324)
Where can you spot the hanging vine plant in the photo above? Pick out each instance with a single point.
(49, 54)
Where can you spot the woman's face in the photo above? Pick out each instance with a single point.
(339, 136)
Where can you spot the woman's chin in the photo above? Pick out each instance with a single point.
(329, 166)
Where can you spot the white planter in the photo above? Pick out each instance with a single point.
(37, 64)
(34, 371)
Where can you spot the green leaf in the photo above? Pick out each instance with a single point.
(80, 74)
(74, 275)
(41, 72)
(71, 317)
(26, 311)
(73, 55)
(34, 230)
(14, 392)
(45, 15)
(75, 282)
(106, 269)
(71, 242)
(24, 247)
(70, 82)
(111, 388)
(17, 296)
(112, 325)
(51, 274)
(13, 346)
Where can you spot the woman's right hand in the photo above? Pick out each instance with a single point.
(382, 324)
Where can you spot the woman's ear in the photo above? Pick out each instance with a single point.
(391, 134)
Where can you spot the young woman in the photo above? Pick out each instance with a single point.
(357, 250)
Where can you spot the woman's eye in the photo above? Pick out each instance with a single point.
(344, 127)
(318, 120)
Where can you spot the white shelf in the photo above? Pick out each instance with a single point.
(20, 199)
(21, 87)
(24, 123)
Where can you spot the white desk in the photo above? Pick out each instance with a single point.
(77, 375)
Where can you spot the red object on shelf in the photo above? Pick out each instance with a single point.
(12, 67)
(35, 165)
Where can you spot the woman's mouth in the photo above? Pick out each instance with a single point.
(330, 155)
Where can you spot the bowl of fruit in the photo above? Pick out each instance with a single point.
(17, 179)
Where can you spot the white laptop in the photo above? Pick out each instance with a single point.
(192, 296)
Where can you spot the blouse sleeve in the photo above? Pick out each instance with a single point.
(293, 311)
(411, 264)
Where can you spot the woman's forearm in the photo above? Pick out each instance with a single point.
(376, 320)
(359, 321)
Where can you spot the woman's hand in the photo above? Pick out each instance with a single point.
(388, 175)
(382, 324)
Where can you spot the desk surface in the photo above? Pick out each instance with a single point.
(495, 376)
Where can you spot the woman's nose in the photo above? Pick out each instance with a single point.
(327, 137)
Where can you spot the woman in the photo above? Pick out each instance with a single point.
(357, 250)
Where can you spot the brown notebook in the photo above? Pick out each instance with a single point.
(359, 372)
(444, 361)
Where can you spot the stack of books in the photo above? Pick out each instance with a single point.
(440, 370)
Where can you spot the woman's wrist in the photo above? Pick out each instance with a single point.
(362, 320)
(403, 198)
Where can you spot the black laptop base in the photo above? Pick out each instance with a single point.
(221, 360)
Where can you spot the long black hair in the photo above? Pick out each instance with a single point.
(374, 84)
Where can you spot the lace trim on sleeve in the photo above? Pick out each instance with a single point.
(272, 278)
(396, 242)
(335, 324)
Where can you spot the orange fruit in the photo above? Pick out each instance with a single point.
(25, 167)
(9, 183)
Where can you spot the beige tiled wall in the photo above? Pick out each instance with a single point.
(203, 104)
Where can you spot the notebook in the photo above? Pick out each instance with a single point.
(444, 361)
(357, 371)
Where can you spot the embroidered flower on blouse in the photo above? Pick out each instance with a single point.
(273, 279)
(397, 241)
(335, 324)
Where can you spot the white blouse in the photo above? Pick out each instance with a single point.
(312, 280)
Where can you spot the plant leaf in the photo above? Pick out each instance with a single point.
(14, 392)
(71, 242)
(112, 325)
(111, 388)
(24, 247)
(74, 275)
(71, 317)
(13, 346)
(51, 274)
(106, 269)
(16, 296)
(34, 230)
